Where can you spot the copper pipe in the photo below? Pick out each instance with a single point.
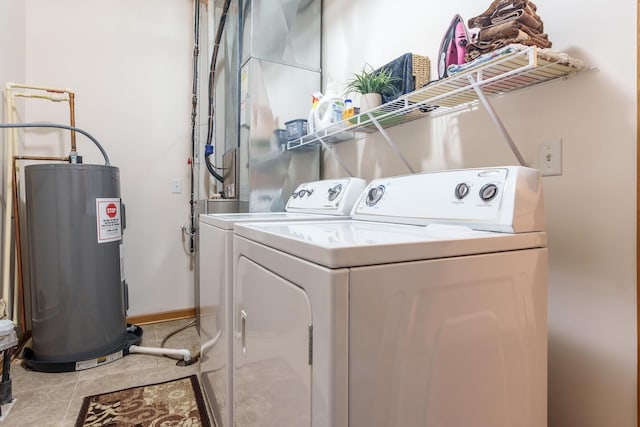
(72, 108)
(16, 216)
(72, 111)
(52, 158)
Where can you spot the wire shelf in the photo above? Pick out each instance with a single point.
(503, 74)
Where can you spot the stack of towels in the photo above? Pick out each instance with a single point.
(503, 23)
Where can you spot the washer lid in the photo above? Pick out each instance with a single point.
(350, 243)
(228, 220)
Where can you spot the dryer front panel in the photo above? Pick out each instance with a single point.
(451, 342)
(215, 319)
(272, 373)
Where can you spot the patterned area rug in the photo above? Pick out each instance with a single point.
(172, 403)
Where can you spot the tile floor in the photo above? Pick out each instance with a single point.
(54, 399)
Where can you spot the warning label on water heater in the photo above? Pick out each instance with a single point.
(109, 224)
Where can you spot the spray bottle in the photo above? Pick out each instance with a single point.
(315, 99)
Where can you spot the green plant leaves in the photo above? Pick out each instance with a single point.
(370, 81)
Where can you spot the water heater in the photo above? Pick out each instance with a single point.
(75, 221)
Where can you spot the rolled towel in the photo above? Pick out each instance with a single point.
(480, 20)
(540, 40)
(496, 8)
(482, 47)
(525, 15)
(505, 30)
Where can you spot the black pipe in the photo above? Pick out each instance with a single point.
(210, 168)
(6, 364)
(212, 69)
(6, 395)
(57, 126)
(194, 110)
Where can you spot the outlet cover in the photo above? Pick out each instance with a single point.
(550, 158)
(176, 186)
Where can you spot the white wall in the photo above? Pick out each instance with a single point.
(11, 45)
(590, 209)
(130, 65)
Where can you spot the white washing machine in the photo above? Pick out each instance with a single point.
(327, 199)
(427, 308)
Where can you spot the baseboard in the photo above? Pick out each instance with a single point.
(145, 319)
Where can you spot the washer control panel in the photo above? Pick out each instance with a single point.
(487, 199)
(331, 196)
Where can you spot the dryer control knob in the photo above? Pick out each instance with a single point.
(374, 195)
(462, 190)
(334, 192)
(488, 192)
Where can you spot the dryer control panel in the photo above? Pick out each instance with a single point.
(330, 196)
(505, 199)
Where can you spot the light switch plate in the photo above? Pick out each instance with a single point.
(550, 158)
(176, 186)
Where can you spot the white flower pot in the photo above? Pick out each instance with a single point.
(369, 101)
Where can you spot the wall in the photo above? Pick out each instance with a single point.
(130, 65)
(12, 42)
(590, 209)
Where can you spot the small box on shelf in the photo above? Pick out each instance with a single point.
(296, 128)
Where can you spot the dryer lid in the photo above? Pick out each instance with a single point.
(350, 243)
(227, 221)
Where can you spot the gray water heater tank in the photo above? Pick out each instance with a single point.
(78, 295)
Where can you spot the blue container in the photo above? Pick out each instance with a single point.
(296, 129)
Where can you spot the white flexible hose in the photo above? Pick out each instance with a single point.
(211, 343)
(183, 352)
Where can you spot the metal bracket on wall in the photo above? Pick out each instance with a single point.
(390, 142)
(333, 154)
(494, 117)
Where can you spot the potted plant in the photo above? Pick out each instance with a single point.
(372, 85)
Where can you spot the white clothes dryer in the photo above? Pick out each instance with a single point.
(326, 199)
(426, 308)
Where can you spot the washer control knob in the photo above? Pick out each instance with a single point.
(462, 190)
(488, 192)
(304, 192)
(374, 195)
(334, 192)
